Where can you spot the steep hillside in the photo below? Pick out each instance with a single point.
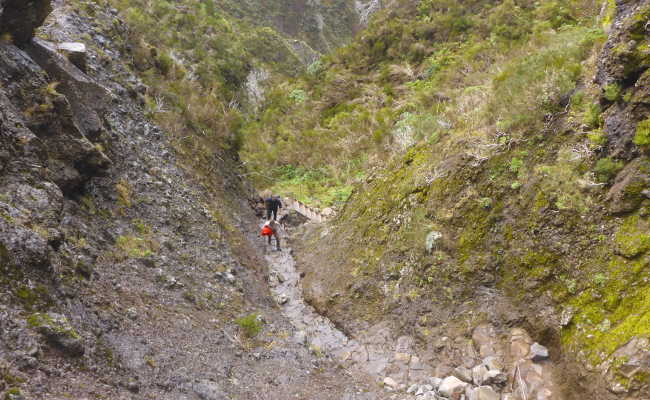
(125, 270)
(496, 155)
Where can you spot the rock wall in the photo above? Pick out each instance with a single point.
(433, 247)
(123, 270)
(19, 18)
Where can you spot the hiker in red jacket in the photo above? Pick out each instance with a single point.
(272, 228)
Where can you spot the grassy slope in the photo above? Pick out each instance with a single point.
(420, 73)
(504, 156)
(196, 86)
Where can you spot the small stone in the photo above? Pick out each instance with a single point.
(618, 388)
(412, 389)
(478, 374)
(132, 313)
(492, 362)
(282, 299)
(463, 374)
(486, 393)
(495, 377)
(538, 352)
(133, 385)
(435, 382)
(452, 386)
(390, 382)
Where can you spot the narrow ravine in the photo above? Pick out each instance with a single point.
(319, 332)
(512, 365)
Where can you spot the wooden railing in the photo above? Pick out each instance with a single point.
(312, 213)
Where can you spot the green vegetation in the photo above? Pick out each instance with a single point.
(612, 92)
(606, 169)
(250, 325)
(444, 74)
(135, 247)
(44, 322)
(642, 137)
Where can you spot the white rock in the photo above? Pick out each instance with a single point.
(412, 389)
(435, 382)
(470, 393)
(76, 53)
(538, 352)
(424, 389)
(390, 382)
(492, 362)
(282, 299)
(451, 386)
(478, 374)
(463, 374)
(486, 393)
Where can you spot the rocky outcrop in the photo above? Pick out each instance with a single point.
(41, 112)
(624, 78)
(120, 266)
(19, 18)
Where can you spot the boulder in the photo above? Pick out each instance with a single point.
(20, 18)
(485, 339)
(58, 331)
(76, 53)
(87, 98)
(627, 193)
(452, 387)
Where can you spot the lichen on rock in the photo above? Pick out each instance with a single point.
(57, 330)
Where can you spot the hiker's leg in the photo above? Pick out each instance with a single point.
(268, 213)
(277, 241)
(275, 214)
(269, 237)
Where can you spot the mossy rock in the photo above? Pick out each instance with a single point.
(626, 195)
(633, 237)
(58, 331)
(14, 394)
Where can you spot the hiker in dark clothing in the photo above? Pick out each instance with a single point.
(272, 204)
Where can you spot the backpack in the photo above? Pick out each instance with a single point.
(266, 231)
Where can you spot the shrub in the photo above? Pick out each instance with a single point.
(250, 325)
(165, 63)
(315, 68)
(593, 116)
(606, 169)
(597, 138)
(612, 92)
(515, 165)
(642, 136)
(298, 96)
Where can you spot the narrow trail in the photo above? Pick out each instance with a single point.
(378, 355)
(319, 332)
(370, 356)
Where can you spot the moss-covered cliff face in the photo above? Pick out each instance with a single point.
(524, 201)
